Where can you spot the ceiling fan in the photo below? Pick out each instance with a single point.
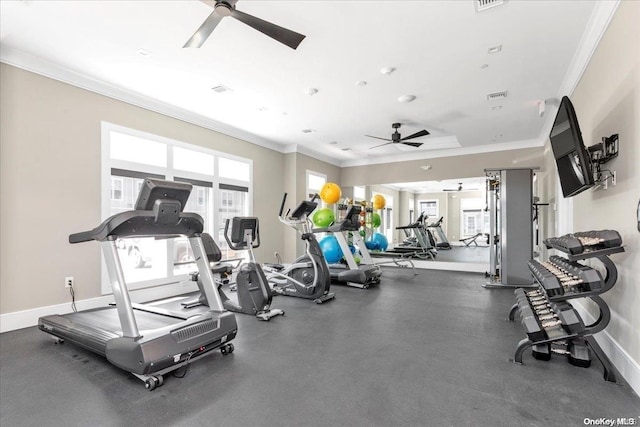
(396, 138)
(222, 8)
(459, 188)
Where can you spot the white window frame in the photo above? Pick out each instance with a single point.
(107, 164)
(473, 206)
(121, 181)
(317, 174)
(437, 202)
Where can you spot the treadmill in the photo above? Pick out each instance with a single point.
(361, 275)
(145, 340)
(440, 238)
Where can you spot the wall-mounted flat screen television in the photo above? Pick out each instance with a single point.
(572, 158)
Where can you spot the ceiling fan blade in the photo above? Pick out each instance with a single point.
(377, 137)
(202, 34)
(284, 36)
(386, 143)
(413, 144)
(423, 132)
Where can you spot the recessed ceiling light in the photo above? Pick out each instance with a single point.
(496, 107)
(311, 91)
(495, 49)
(483, 66)
(346, 149)
(333, 142)
(425, 167)
(308, 130)
(143, 52)
(361, 83)
(406, 98)
(387, 70)
(262, 109)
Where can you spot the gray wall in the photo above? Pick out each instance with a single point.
(607, 101)
(50, 183)
(295, 182)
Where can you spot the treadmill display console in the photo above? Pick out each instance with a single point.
(155, 189)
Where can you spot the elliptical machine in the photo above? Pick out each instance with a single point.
(254, 294)
(308, 277)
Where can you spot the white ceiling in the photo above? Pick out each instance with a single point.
(439, 50)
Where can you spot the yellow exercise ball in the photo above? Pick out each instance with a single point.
(378, 201)
(330, 193)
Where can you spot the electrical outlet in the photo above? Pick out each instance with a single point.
(68, 282)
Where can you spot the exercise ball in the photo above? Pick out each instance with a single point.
(376, 220)
(378, 201)
(323, 218)
(380, 241)
(352, 249)
(371, 245)
(330, 193)
(331, 249)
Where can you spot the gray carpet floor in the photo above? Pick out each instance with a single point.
(430, 350)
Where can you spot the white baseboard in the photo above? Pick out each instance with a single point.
(28, 318)
(625, 365)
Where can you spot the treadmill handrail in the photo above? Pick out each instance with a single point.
(140, 224)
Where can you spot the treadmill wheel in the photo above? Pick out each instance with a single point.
(151, 383)
(227, 349)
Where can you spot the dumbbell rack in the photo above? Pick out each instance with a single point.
(550, 321)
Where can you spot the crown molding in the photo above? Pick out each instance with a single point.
(597, 25)
(462, 151)
(44, 67)
(595, 29)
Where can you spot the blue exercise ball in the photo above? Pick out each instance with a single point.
(331, 249)
(371, 245)
(380, 241)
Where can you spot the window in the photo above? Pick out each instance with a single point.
(430, 208)
(235, 202)
(233, 169)
(128, 157)
(472, 222)
(116, 188)
(473, 218)
(359, 193)
(315, 182)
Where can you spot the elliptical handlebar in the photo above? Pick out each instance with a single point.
(300, 215)
(284, 199)
(250, 228)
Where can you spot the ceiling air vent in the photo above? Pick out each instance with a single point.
(482, 5)
(496, 95)
(221, 89)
